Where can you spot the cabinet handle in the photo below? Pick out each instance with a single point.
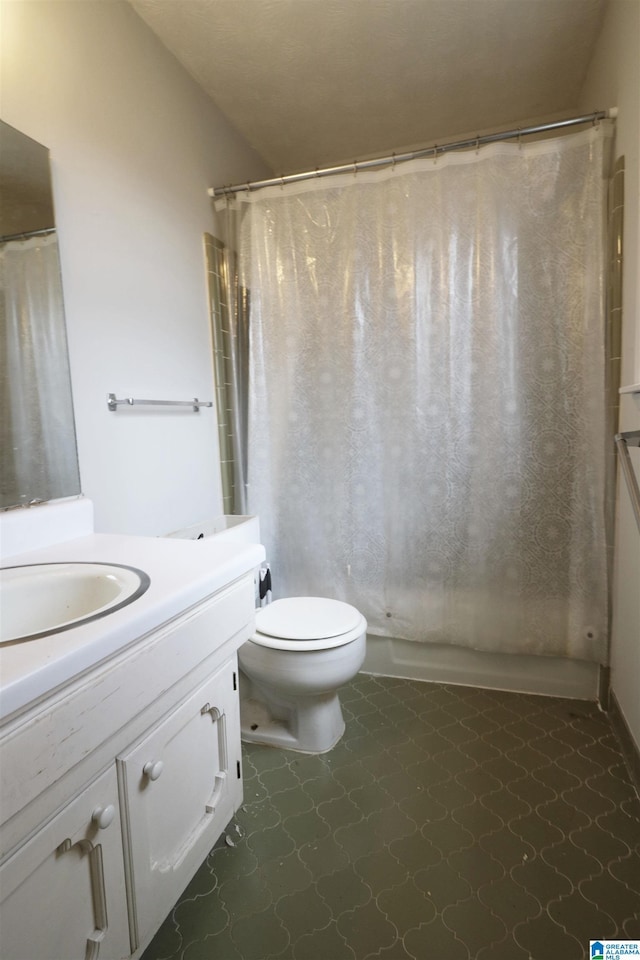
(98, 889)
(215, 713)
(153, 769)
(103, 816)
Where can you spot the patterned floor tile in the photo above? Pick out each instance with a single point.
(286, 876)
(616, 899)
(343, 890)
(507, 949)
(201, 949)
(442, 884)
(303, 912)
(415, 852)
(366, 928)
(628, 871)
(327, 942)
(477, 820)
(395, 952)
(380, 870)
(307, 827)
(271, 842)
(542, 937)
(474, 924)
(260, 937)
(474, 866)
(245, 896)
(406, 907)
(323, 858)
(435, 939)
(292, 801)
(506, 848)
(540, 880)
(574, 914)
(448, 821)
(279, 780)
(508, 901)
(344, 810)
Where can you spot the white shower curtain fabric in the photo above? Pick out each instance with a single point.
(427, 398)
(39, 458)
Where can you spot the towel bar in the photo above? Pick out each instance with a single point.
(113, 403)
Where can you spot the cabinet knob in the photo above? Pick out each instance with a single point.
(103, 816)
(153, 769)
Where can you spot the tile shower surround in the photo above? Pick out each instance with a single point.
(449, 822)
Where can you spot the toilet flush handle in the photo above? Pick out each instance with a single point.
(153, 769)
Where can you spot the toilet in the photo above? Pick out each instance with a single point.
(303, 650)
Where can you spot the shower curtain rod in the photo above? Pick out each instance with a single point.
(414, 155)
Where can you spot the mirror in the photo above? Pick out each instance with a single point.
(37, 430)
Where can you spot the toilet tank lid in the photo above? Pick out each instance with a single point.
(307, 618)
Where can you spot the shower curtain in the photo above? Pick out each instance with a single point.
(426, 404)
(37, 427)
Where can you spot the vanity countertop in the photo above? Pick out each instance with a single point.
(182, 573)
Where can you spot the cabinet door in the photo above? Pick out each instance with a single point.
(180, 786)
(63, 893)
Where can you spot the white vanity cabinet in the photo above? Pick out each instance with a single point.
(180, 786)
(63, 890)
(114, 788)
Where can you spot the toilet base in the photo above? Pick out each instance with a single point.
(289, 698)
(314, 725)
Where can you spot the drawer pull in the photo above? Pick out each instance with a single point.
(153, 769)
(103, 816)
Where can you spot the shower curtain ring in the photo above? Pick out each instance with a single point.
(393, 163)
(519, 138)
(477, 144)
(435, 153)
(355, 167)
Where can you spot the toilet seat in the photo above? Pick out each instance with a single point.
(307, 623)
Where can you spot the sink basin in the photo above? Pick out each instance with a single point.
(44, 598)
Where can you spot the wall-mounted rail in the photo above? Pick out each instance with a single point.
(113, 403)
(623, 442)
(27, 236)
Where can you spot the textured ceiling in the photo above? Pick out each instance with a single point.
(315, 82)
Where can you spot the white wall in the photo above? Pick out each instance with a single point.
(614, 80)
(134, 146)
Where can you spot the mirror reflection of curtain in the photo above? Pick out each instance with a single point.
(426, 403)
(38, 437)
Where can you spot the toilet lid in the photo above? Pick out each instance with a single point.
(306, 618)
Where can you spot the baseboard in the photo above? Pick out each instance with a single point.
(438, 663)
(630, 749)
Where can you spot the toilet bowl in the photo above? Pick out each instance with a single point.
(303, 650)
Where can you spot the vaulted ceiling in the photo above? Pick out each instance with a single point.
(317, 82)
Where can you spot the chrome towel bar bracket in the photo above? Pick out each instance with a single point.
(623, 441)
(113, 403)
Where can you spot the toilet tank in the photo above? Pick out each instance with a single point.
(232, 529)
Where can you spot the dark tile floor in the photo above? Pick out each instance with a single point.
(449, 822)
